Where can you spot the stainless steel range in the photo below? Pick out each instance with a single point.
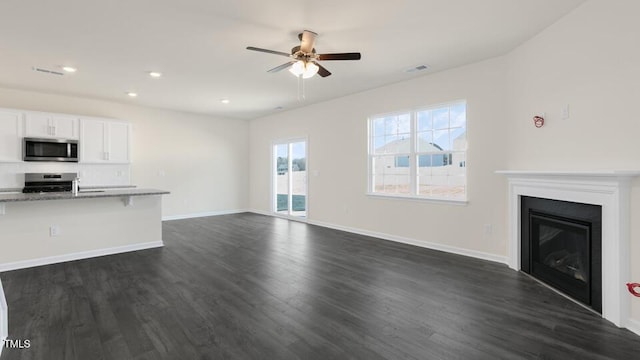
(48, 182)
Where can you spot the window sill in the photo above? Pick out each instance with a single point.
(420, 199)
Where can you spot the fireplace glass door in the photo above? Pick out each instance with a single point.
(561, 254)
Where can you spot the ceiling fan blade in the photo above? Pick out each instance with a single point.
(281, 67)
(307, 41)
(339, 56)
(268, 51)
(322, 71)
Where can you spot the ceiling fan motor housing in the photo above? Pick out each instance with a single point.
(305, 53)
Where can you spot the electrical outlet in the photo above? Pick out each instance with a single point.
(54, 230)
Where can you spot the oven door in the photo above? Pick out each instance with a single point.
(35, 149)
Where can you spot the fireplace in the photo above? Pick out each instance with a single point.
(609, 189)
(562, 247)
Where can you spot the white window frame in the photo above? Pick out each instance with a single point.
(413, 160)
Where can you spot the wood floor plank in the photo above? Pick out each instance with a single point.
(248, 286)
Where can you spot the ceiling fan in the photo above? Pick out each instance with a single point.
(304, 59)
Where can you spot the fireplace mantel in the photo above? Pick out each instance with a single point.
(609, 189)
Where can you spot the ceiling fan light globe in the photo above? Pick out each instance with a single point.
(304, 69)
(298, 68)
(311, 69)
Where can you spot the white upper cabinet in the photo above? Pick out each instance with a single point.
(10, 136)
(93, 141)
(44, 125)
(118, 141)
(104, 141)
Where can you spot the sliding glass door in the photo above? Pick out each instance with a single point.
(290, 178)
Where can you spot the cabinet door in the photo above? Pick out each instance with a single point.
(45, 125)
(118, 136)
(93, 141)
(38, 125)
(65, 127)
(10, 136)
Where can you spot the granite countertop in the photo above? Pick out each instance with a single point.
(103, 187)
(86, 194)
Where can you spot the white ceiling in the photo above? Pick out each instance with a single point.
(199, 46)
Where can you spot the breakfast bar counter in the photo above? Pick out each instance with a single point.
(83, 194)
(52, 227)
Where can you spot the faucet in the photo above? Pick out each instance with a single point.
(74, 186)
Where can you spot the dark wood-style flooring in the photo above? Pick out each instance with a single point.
(248, 286)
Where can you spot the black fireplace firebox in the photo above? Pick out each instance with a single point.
(562, 247)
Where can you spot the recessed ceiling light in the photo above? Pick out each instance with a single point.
(225, 101)
(155, 74)
(69, 69)
(132, 94)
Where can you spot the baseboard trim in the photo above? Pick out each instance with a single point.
(260, 212)
(202, 214)
(415, 242)
(79, 256)
(404, 240)
(4, 318)
(633, 326)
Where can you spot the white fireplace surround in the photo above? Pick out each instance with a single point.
(609, 189)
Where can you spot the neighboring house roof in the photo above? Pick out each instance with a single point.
(404, 146)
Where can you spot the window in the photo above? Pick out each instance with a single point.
(420, 153)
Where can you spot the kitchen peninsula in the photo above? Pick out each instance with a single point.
(46, 228)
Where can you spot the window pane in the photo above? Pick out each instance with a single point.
(424, 120)
(440, 118)
(282, 177)
(391, 184)
(425, 142)
(441, 139)
(458, 163)
(397, 125)
(458, 117)
(404, 124)
(391, 144)
(299, 177)
(377, 127)
(459, 138)
(387, 165)
(447, 187)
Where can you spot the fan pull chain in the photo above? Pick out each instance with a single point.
(301, 93)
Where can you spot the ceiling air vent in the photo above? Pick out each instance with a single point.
(46, 71)
(417, 68)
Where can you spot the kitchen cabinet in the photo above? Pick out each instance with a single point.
(45, 125)
(10, 136)
(104, 141)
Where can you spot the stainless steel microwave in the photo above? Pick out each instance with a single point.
(37, 149)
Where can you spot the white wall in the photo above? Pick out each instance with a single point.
(201, 160)
(337, 133)
(590, 60)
